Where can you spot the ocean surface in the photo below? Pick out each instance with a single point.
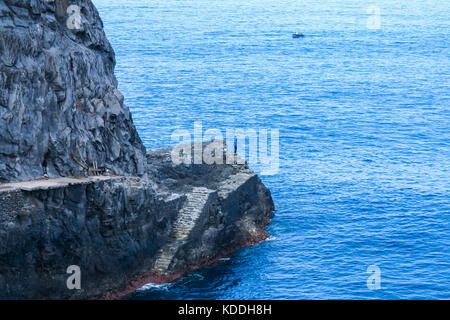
(363, 109)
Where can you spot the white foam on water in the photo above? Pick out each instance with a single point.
(149, 286)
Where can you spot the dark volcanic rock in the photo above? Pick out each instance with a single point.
(124, 232)
(152, 221)
(58, 94)
(109, 228)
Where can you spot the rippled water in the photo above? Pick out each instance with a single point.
(364, 134)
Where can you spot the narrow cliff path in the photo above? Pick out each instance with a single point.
(182, 227)
(54, 183)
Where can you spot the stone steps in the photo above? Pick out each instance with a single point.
(182, 227)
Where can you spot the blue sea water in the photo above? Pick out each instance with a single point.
(364, 120)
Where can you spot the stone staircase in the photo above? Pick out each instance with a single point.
(183, 225)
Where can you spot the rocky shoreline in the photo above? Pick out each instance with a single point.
(122, 231)
(140, 281)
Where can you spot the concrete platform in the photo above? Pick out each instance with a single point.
(51, 183)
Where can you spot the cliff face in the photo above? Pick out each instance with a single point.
(147, 219)
(58, 93)
(107, 228)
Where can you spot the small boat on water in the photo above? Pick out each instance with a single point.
(298, 35)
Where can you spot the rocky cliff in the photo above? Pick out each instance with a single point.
(58, 93)
(140, 217)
